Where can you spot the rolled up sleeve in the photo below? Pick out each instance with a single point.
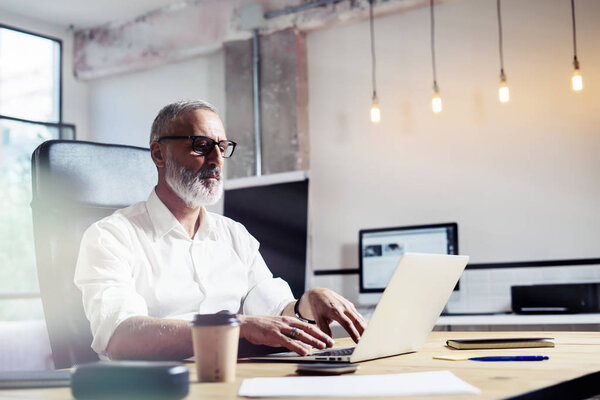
(105, 277)
(266, 295)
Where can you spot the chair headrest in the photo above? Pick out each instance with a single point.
(89, 173)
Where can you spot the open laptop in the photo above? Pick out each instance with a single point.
(411, 303)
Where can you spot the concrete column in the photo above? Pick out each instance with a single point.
(284, 104)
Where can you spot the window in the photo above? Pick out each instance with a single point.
(30, 113)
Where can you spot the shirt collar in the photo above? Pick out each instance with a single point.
(164, 221)
(206, 225)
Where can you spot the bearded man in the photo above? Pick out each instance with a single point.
(147, 269)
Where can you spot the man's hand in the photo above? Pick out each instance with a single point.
(327, 306)
(288, 332)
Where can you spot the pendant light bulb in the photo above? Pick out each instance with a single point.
(436, 101)
(503, 93)
(576, 79)
(375, 113)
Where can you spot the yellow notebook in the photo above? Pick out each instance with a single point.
(501, 343)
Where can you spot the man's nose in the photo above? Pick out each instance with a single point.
(215, 156)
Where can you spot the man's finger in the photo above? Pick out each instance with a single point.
(314, 331)
(358, 321)
(312, 335)
(353, 308)
(308, 339)
(360, 316)
(295, 345)
(323, 324)
(349, 327)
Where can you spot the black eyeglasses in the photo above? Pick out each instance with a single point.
(203, 145)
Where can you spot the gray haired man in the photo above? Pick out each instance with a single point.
(147, 269)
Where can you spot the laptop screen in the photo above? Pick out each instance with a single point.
(381, 249)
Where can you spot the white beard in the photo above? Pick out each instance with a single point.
(195, 190)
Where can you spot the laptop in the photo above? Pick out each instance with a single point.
(409, 307)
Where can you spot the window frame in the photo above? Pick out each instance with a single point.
(59, 125)
(60, 72)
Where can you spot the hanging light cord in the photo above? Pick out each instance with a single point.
(372, 47)
(500, 46)
(574, 34)
(435, 87)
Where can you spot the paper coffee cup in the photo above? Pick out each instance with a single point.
(215, 338)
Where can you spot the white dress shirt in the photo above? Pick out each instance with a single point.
(140, 261)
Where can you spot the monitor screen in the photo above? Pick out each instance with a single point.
(276, 215)
(381, 249)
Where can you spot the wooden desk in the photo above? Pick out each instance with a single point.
(576, 354)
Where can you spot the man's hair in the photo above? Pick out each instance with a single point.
(170, 112)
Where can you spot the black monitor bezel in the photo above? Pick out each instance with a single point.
(361, 288)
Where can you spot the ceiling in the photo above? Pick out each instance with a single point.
(81, 13)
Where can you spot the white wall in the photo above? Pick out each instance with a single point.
(123, 107)
(75, 93)
(521, 179)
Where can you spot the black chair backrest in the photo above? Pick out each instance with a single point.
(74, 184)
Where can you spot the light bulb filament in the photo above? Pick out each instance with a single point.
(503, 93)
(436, 102)
(375, 112)
(577, 80)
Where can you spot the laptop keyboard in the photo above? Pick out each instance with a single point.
(339, 352)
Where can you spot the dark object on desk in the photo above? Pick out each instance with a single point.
(510, 358)
(500, 343)
(325, 368)
(74, 184)
(556, 298)
(247, 349)
(450, 357)
(34, 379)
(584, 387)
(130, 380)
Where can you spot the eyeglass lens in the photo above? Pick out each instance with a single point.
(204, 146)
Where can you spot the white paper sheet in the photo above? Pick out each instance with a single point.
(409, 384)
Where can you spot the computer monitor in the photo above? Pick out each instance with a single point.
(273, 208)
(381, 249)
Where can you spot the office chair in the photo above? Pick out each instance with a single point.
(74, 184)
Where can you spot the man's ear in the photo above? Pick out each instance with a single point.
(157, 154)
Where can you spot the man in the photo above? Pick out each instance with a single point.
(147, 269)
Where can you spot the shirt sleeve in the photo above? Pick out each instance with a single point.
(266, 295)
(105, 277)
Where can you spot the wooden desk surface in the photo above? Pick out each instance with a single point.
(575, 354)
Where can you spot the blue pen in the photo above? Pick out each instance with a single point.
(510, 358)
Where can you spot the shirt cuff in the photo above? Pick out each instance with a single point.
(105, 327)
(269, 297)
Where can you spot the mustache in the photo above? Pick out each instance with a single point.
(209, 173)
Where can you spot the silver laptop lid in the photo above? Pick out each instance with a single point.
(411, 303)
